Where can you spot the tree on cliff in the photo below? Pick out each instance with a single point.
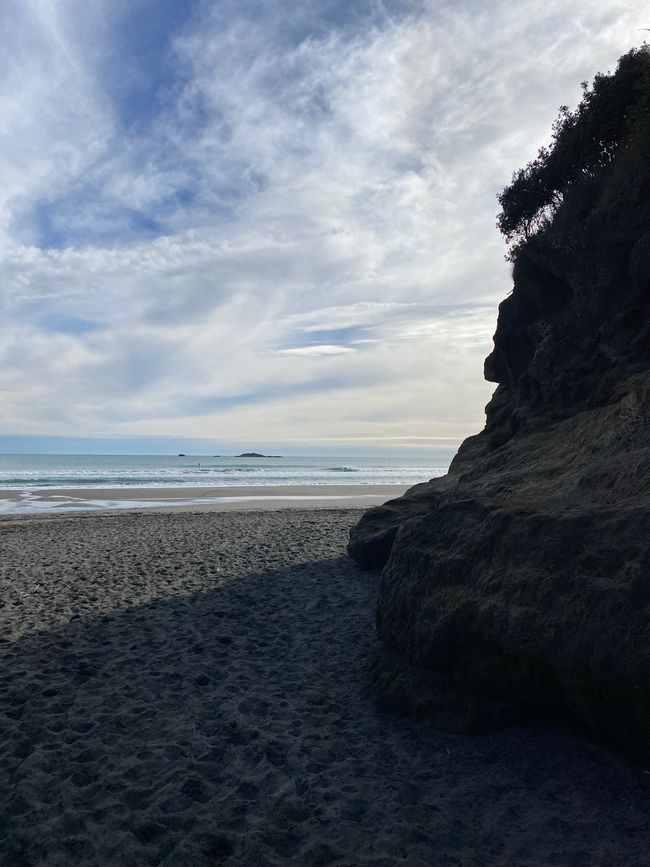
(583, 146)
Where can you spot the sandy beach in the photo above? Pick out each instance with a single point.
(189, 688)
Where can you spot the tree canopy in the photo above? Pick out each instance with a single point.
(584, 143)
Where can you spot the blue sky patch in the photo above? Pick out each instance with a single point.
(331, 336)
(59, 323)
(138, 68)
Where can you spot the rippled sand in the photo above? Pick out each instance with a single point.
(188, 689)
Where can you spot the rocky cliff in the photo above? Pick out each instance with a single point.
(518, 585)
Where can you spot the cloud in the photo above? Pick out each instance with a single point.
(237, 219)
(316, 350)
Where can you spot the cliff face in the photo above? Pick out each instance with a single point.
(519, 584)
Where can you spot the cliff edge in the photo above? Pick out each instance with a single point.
(518, 585)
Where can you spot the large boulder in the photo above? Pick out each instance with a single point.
(519, 584)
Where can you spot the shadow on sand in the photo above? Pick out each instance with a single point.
(232, 725)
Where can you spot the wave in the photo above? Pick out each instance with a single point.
(38, 472)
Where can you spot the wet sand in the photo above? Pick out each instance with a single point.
(189, 689)
(257, 497)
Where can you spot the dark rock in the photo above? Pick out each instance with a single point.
(519, 584)
(256, 455)
(196, 789)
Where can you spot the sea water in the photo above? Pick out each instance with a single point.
(153, 471)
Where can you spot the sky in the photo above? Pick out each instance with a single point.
(268, 224)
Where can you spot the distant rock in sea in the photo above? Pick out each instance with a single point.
(181, 455)
(517, 587)
(256, 455)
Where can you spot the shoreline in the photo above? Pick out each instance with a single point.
(38, 501)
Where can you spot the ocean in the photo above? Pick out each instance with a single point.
(23, 476)
(154, 471)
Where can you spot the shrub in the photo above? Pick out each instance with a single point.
(584, 144)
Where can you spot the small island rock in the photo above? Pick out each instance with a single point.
(256, 455)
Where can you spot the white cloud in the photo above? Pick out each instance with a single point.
(343, 184)
(55, 122)
(316, 350)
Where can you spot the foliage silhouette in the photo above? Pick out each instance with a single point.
(585, 142)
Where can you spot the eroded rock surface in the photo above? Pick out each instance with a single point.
(519, 584)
